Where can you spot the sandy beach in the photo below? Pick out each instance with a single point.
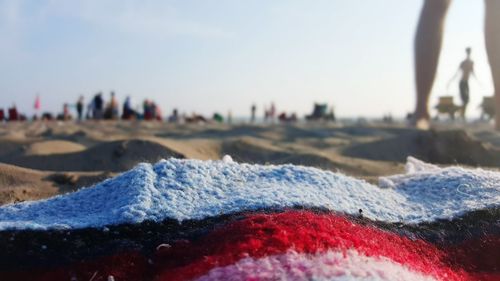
(39, 160)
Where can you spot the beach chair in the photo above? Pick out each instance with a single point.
(447, 106)
(320, 112)
(488, 108)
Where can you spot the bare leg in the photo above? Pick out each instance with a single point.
(492, 39)
(427, 48)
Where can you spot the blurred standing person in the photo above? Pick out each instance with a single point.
(253, 110)
(111, 110)
(127, 112)
(467, 69)
(153, 110)
(492, 40)
(98, 106)
(159, 113)
(174, 117)
(79, 108)
(428, 41)
(13, 113)
(113, 105)
(272, 112)
(66, 115)
(148, 114)
(90, 110)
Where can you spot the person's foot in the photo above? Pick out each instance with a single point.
(421, 120)
(422, 124)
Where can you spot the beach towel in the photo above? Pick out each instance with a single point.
(222, 220)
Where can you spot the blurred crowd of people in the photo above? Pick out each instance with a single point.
(98, 108)
(11, 114)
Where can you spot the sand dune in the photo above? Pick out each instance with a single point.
(8, 147)
(21, 184)
(53, 147)
(196, 148)
(250, 150)
(109, 156)
(445, 147)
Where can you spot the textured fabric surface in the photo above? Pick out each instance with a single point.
(192, 189)
(261, 235)
(293, 244)
(329, 265)
(220, 220)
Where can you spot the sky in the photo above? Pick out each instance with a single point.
(219, 55)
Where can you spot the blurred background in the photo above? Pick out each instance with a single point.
(206, 56)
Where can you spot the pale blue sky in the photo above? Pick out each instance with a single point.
(213, 55)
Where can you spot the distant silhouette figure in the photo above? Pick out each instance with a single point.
(253, 111)
(466, 68)
(79, 108)
(113, 106)
(98, 106)
(155, 108)
(147, 110)
(284, 118)
(127, 112)
(111, 110)
(195, 118)
(65, 114)
(175, 116)
(272, 111)
(428, 41)
(13, 114)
